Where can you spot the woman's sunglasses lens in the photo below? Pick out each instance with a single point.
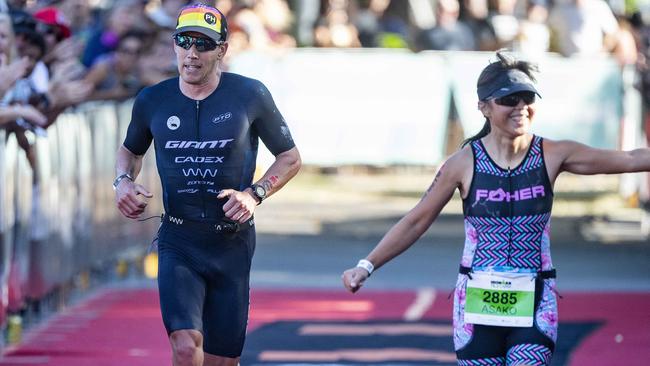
(529, 98)
(513, 99)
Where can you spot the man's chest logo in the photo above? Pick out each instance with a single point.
(173, 123)
(222, 118)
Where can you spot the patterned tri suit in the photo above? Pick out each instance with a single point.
(507, 223)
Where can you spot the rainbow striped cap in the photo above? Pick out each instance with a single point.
(203, 19)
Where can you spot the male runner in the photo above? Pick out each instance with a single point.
(205, 124)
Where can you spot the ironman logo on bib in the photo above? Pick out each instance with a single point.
(500, 299)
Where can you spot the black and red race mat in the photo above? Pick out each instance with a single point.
(328, 327)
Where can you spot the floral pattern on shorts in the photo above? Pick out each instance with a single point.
(546, 316)
(462, 331)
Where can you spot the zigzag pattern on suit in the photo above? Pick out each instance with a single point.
(509, 241)
(485, 165)
(493, 361)
(529, 354)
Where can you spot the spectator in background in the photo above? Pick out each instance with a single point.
(7, 39)
(164, 15)
(534, 36)
(62, 90)
(474, 14)
(79, 17)
(335, 28)
(276, 19)
(226, 6)
(116, 76)
(306, 14)
(266, 22)
(238, 42)
(61, 50)
(367, 21)
(583, 27)
(30, 45)
(449, 33)
(54, 28)
(12, 68)
(120, 20)
(383, 23)
(504, 22)
(159, 61)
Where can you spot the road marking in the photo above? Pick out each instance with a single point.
(25, 360)
(423, 301)
(358, 355)
(393, 329)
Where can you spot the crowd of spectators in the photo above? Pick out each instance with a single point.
(532, 27)
(58, 53)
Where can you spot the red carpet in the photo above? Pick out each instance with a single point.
(123, 327)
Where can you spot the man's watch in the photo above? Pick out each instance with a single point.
(259, 192)
(117, 180)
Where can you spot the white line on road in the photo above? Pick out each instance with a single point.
(423, 301)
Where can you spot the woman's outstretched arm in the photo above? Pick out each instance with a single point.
(577, 158)
(405, 232)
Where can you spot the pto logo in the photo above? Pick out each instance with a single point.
(173, 123)
(222, 118)
(210, 18)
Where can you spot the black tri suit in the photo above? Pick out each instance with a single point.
(202, 147)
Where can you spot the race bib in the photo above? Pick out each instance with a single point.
(500, 299)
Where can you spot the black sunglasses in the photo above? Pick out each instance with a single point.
(202, 44)
(512, 100)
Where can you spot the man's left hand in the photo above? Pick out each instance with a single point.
(240, 205)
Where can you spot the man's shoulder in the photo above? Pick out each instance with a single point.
(165, 86)
(238, 78)
(241, 82)
(154, 92)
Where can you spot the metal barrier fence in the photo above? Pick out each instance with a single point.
(59, 220)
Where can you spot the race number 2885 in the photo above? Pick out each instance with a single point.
(496, 297)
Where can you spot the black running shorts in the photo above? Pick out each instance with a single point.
(203, 280)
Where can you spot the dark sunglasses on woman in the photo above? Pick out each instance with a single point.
(513, 99)
(202, 44)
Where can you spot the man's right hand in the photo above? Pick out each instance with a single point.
(126, 198)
